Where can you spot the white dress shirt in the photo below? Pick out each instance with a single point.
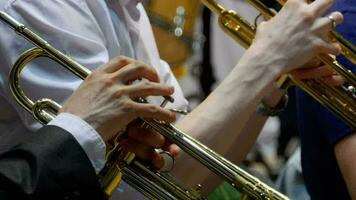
(91, 32)
(225, 51)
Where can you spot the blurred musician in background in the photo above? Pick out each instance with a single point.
(92, 32)
(328, 144)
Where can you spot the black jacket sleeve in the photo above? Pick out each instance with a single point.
(49, 165)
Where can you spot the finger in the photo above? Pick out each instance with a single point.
(329, 48)
(315, 62)
(137, 71)
(117, 63)
(141, 150)
(311, 73)
(319, 7)
(335, 80)
(327, 23)
(153, 112)
(146, 88)
(146, 136)
(158, 161)
(173, 149)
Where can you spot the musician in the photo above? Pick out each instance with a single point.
(328, 144)
(92, 32)
(53, 163)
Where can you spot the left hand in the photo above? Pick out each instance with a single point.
(143, 142)
(315, 69)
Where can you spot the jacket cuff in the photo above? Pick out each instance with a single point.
(88, 138)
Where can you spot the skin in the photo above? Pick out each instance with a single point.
(105, 100)
(345, 155)
(109, 92)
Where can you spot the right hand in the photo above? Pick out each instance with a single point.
(105, 99)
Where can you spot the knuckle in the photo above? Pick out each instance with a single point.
(123, 59)
(147, 85)
(307, 16)
(120, 92)
(153, 109)
(139, 67)
(127, 107)
(107, 81)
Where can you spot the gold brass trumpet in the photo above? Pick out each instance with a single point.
(122, 165)
(340, 100)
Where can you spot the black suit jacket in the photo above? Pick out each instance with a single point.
(49, 165)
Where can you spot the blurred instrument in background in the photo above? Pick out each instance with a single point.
(173, 25)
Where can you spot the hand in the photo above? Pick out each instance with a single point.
(297, 33)
(105, 99)
(143, 142)
(314, 69)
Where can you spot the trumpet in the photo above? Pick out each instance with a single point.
(122, 165)
(340, 100)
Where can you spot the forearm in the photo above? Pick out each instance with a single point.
(218, 121)
(245, 140)
(239, 149)
(251, 130)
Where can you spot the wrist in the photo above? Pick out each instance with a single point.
(274, 61)
(274, 102)
(273, 95)
(92, 121)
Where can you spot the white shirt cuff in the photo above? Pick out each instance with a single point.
(87, 137)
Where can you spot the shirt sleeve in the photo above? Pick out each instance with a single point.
(70, 27)
(91, 142)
